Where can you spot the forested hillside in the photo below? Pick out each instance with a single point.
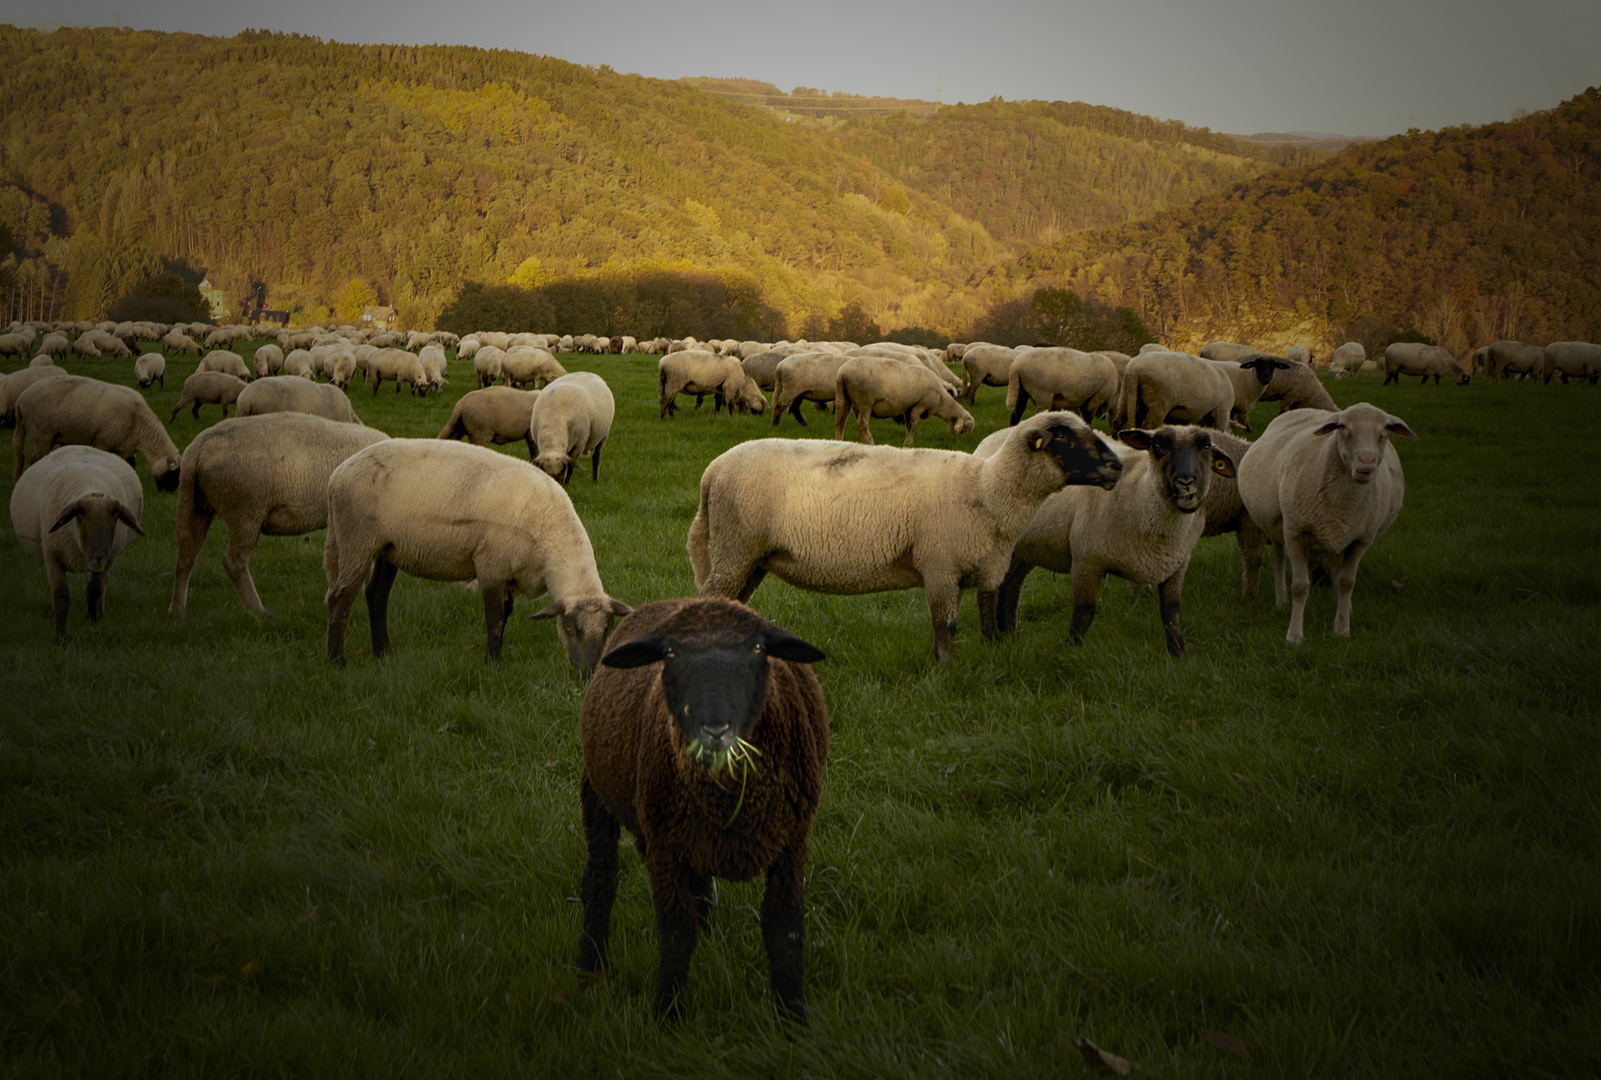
(334, 174)
(1463, 236)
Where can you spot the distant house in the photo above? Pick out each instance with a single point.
(214, 299)
(378, 316)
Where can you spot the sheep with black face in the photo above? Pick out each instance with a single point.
(704, 735)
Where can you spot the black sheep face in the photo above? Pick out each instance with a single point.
(1186, 460)
(715, 692)
(1080, 452)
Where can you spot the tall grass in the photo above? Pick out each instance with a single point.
(1365, 856)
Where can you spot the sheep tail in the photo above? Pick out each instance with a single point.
(699, 560)
(1014, 387)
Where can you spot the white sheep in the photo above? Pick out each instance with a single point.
(175, 340)
(1299, 353)
(55, 344)
(1323, 500)
(76, 511)
(291, 393)
(229, 363)
(1060, 379)
(524, 364)
(432, 359)
(1174, 388)
(985, 365)
(1298, 387)
(843, 518)
(76, 411)
(487, 364)
(341, 367)
(1143, 530)
(1414, 358)
(572, 417)
(18, 381)
(149, 368)
(208, 388)
(398, 366)
(264, 476)
(453, 512)
(1573, 360)
(883, 387)
(269, 361)
(1251, 375)
(299, 363)
(494, 414)
(1501, 358)
(700, 372)
(1348, 360)
(804, 376)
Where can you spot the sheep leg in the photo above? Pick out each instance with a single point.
(383, 580)
(795, 411)
(195, 410)
(704, 890)
(1086, 589)
(1022, 403)
(754, 579)
(599, 887)
(863, 415)
(95, 594)
(1167, 598)
(1251, 541)
(944, 604)
(784, 928)
(1300, 586)
(498, 600)
(594, 463)
(60, 596)
(1007, 597)
(1344, 583)
(242, 539)
(913, 415)
(676, 933)
(1278, 576)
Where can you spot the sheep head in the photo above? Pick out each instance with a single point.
(1075, 449)
(715, 691)
(1361, 436)
(582, 626)
(168, 476)
(94, 519)
(1184, 458)
(1264, 366)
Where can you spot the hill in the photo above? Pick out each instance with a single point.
(1462, 236)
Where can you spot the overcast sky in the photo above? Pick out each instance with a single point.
(1355, 67)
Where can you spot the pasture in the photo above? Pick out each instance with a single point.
(1378, 855)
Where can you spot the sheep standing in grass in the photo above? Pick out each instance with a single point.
(1573, 360)
(299, 363)
(704, 735)
(341, 367)
(858, 519)
(495, 414)
(17, 382)
(804, 376)
(1174, 388)
(572, 418)
(1502, 358)
(208, 388)
(1414, 358)
(229, 363)
(432, 359)
(269, 361)
(175, 340)
(77, 411)
(1298, 387)
(524, 364)
(1058, 379)
(1251, 377)
(487, 365)
(699, 371)
(1348, 360)
(873, 386)
(452, 512)
(1143, 530)
(291, 393)
(264, 476)
(1323, 487)
(55, 344)
(762, 367)
(397, 366)
(984, 365)
(76, 511)
(149, 368)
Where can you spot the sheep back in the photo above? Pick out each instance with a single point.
(291, 393)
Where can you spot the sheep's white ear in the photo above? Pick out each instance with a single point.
(1135, 437)
(1398, 426)
(550, 610)
(70, 513)
(1329, 428)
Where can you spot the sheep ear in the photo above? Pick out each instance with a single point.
(1329, 428)
(638, 653)
(1222, 464)
(550, 610)
(786, 646)
(125, 516)
(69, 514)
(1398, 426)
(620, 608)
(1038, 440)
(1135, 437)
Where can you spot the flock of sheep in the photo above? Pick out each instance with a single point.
(704, 730)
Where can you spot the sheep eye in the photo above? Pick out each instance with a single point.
(758, 647)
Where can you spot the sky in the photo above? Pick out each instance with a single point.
(1353, 67)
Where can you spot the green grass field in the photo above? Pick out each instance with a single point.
(1366, 856)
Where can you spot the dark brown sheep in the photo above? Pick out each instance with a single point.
(689, 685)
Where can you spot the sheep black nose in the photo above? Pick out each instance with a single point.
(715, 730)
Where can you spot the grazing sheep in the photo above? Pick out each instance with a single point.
(572, 418)
(985, 365)
(55, 344)
(804, 376)
(398, 366)
(1059, 378)
(1251, 376)
(1300, 354)
(208, 388)
(229, 363)
(1323, 500)
(1297, 387)
(42, 360)
(1507, 358)
(76, 511)
(487, 365)
(452, 512)
(299, 364)
(495, 414)
(432, 359)
(151, 367)
(524, 364)
(265, 476)
(175, 340)
(341, 367)
(733, 694)
(76, 411)
(291, 393)
(17, 345)
(873, 386)
(468, 347)
(1225, 351)
(17, 382)
(916, 356)
(699, 371)
(1573, 360)
(1414, 358)
(269, 361)
(1174, 388)
(1119, 361)
(1143, 530)
(1348, 359)
(762, 367)
(86, 347)
(857, 519)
